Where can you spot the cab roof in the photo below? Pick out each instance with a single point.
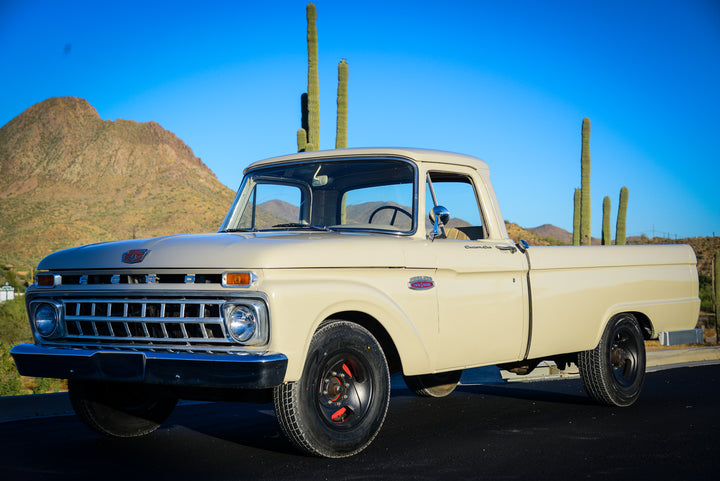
(416, 155)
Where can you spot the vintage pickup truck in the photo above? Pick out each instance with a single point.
(331, 271)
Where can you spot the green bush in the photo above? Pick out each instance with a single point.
(10, 380)
(706, 294)
(14, 324)
(14, 329)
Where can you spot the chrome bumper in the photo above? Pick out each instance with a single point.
(174, 369)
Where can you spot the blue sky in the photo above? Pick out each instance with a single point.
(506, 81)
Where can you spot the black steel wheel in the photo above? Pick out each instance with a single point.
(119, 409)
(434, 385)
(339, 404)
(614, 372)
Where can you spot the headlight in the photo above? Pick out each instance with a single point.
(242, 323)
(46, 317)
(247, 322)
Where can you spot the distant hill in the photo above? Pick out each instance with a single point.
(284, 210)
(68, 178)
(517, 233)
(549, 230)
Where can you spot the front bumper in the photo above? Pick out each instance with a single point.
(174, 369)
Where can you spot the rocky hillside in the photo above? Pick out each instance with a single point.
(549, 230)
(533, 236)
(67, 178)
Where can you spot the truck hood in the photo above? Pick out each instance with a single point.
(238, 251)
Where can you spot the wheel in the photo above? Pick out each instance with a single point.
(394, 208)
(613, 373)
(339, 404)
(433, 385)
(118, 409)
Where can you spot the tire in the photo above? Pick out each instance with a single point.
(613, 373)
(434, 385)
(118, 409)
(339, 404)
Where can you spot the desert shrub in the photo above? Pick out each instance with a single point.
(14, 324)
(10, 380)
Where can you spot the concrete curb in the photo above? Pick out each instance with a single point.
(17, 408)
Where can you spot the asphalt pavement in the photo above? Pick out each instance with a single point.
(16, 408)
(548, 429)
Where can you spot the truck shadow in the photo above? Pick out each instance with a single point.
(571, 393)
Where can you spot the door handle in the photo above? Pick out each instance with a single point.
(510, 249)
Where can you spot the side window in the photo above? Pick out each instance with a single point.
(457, 194)
(270, 205)
(387, 207)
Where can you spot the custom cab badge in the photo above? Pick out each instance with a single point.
(133, 256)
(421, 283)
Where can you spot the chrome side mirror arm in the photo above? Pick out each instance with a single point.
(440, 216)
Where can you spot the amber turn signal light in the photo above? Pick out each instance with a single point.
(238, 279)
(46, 280)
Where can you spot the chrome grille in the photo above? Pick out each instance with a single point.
(149, 323)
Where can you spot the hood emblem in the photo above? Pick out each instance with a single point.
(421, 283)
(133, 256)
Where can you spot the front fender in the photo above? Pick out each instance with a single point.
(299, 304)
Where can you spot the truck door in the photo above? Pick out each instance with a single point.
(480, 280)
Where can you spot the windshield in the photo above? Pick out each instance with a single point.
(372, 194)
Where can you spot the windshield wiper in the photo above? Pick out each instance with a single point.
(240, 230)
(297, 225)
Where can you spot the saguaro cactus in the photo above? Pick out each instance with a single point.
(576, 218)
(606, 234)
(585, 232)
(304, 113)
(621, 226)
(313, 89)
(342, 106)
(301, 140)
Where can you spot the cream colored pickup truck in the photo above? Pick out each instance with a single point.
(331, 271)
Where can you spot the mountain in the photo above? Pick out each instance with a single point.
(549, 230)
(68, 178)
(284, 211)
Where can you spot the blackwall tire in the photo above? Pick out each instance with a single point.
(433, 385)
(118, 409)
(614, 372)
(339, 404)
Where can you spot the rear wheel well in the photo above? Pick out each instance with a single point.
(377, 330)
(646, 326)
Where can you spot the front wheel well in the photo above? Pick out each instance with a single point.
(377, 330)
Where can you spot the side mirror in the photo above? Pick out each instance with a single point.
(440, 216)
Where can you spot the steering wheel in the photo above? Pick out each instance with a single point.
(395, 208)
